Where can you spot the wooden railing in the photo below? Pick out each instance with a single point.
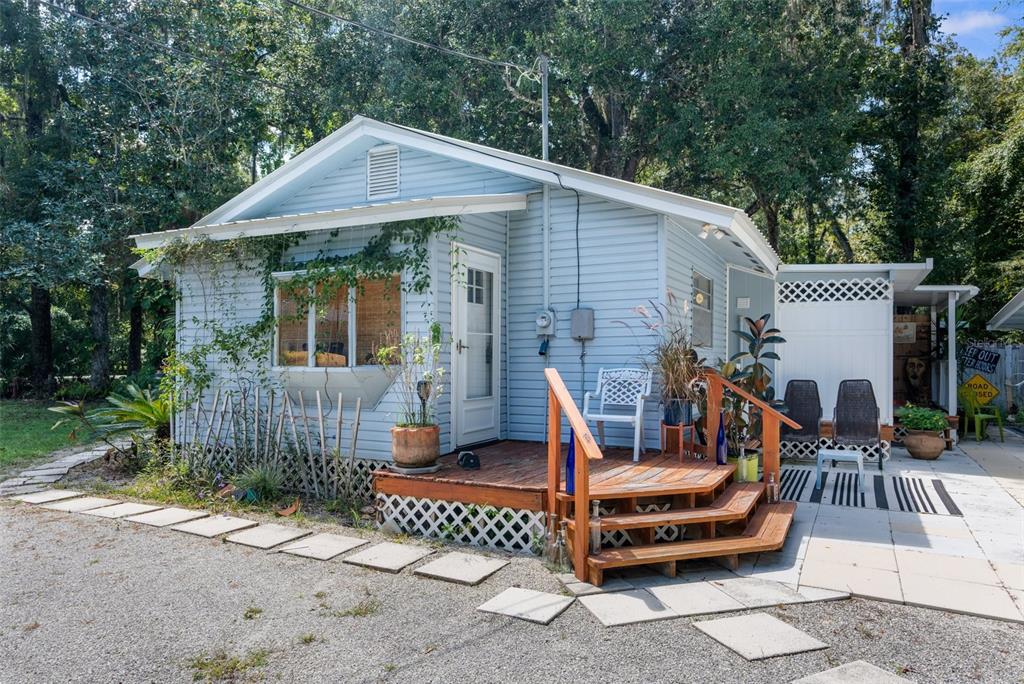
(559, 401)
(770, 419)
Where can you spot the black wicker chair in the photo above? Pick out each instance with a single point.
(803, 405)
(855, 422)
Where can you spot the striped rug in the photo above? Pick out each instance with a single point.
(886, 492)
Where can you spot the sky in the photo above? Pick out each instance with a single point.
(977, 23)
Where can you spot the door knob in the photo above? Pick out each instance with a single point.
(461, 346)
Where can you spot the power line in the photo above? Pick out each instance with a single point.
(221, 66)
(405, 39)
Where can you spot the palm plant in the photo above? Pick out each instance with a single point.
(134, 412)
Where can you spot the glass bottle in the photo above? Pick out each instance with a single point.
(773, 489)
(551, 539)
(595, 528)
(562, 548)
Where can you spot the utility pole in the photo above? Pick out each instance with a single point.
(544, 121)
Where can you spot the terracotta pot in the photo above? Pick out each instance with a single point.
(924, 444)
(415, 447)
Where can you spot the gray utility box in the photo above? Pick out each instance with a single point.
(581, 324)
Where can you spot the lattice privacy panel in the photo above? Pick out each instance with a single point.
(898, 433)
(841, 290)
(509, 529)
(809, 450)
(619, 538)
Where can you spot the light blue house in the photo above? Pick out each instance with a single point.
(532, 237)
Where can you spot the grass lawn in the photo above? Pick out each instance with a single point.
(25, 433)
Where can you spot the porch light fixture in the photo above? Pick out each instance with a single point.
(708, 229)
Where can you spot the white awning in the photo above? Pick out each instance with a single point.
(1011, 316)
(934, 295)
(385, 212)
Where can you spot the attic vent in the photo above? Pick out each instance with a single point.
(382, 172)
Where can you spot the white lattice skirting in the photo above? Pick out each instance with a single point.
(508, 529)
(841, 290)
(809, 450)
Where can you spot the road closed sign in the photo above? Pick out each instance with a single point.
(981, 388)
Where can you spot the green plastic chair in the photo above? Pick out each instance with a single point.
(979, 416)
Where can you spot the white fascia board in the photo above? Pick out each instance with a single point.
(964, 293)
(342, 218)
(1009, 310)
(852, 268)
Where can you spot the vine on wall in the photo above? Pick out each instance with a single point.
(243, 348)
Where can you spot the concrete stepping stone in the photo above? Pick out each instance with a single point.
(388, 556)
(214, 525)
(42, 479)
(759, 636)
(46, 496)
(754, 592)
(626, 607)
(577, 588)
(856, 672)
(323, 546)
(527, 604)
(121, 510)
(78, 505)
(695, 598)
(267, 536)
(461, 568)
(166, 516)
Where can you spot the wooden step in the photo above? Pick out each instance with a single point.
(765, 532)
(734, 504)
(659, 481)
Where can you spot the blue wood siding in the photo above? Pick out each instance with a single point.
(618, 271)
(684, 254)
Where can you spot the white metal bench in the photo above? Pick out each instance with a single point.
(845, 455)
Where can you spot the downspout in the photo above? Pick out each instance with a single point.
(951, 351)
(546, 230)
(504, 313)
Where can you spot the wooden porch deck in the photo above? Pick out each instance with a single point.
(514, 474)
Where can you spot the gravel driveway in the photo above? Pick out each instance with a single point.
(91, 600)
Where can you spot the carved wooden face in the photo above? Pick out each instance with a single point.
(915, 370)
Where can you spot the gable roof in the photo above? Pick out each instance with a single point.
(737, 225)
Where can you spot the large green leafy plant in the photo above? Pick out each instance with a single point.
(135, 413)
(747, 370)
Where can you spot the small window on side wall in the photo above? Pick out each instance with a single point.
(702, 333)
(292, 328)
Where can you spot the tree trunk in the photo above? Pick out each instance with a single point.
(812, 232)
(841, 238)
(99, 322)
(42, 342)
(135, 338)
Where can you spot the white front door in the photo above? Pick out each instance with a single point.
(476, 345)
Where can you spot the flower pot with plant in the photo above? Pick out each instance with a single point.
(673, 359)
(925, 438)
(419, 379)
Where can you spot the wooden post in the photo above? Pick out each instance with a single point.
(554, 452)
(311, 460)
(256, 427)
(337, 443)
(770, 443)
(712, 419)
(582, 502)
(323, 443)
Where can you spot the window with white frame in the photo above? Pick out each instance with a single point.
(345, 330)
(701, 334)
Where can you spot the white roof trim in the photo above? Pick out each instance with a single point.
(935, 295)
(854, 268)
(1011, 316)
(632, 194)
(341, 218)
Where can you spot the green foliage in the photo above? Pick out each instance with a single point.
(133, 413)
(220, 666)
(171, 483)
(26, 434)
(264, 480)
(921, 418)
(416, 364)
(742, 420)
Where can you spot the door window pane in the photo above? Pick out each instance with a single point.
(378, 317)
(702, 311)
(292, 330)
(479, 333)
(332, 331)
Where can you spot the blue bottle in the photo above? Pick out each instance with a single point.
(721, 452)
(570, 465)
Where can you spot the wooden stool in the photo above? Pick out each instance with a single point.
(679, 431)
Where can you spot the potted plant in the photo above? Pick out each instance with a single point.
(743, 422)
(673, 359)
(925, 428)
(419, 379)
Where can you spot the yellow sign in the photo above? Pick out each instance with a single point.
(984, 390)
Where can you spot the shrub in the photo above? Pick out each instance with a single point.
(921, 418)
(265, 481)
